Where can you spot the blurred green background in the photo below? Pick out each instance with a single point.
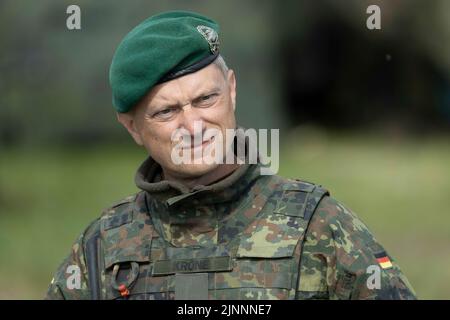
(364, 113)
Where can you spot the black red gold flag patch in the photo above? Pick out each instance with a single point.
(383, 260)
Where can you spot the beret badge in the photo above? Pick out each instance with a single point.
(211, 37)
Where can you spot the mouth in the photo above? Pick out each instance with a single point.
(201, 145)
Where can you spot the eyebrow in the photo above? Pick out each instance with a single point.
(157, 107)
(206, 93)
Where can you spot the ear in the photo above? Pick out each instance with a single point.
(232, 83)
(128, 121)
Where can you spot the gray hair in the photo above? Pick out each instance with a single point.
(220, 63)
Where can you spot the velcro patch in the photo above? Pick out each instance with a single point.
(117, 220)
(163, 267)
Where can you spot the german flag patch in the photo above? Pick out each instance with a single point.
(383, 260)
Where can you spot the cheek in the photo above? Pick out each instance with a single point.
(225, 113)
(156, 136)
(229, 116)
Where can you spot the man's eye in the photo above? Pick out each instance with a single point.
(165, 113)
(207, 99)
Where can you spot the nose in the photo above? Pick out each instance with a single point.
(192, 121)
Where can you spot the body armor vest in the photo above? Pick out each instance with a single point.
(128, 258)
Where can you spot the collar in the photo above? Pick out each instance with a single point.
(148, 178)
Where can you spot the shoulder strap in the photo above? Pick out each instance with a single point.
(92, 263)
(298, 199)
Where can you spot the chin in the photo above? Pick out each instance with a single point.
(193, 170)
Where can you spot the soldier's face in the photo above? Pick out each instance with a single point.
(207, 95)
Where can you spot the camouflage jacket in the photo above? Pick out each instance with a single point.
(245, 237)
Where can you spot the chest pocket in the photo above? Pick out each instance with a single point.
(265, 264)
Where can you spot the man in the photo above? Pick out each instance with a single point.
(202, 230)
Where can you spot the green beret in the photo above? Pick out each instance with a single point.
(161, 48)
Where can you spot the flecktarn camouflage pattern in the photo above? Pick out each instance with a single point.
(245, 237)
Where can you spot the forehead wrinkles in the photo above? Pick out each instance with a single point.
(167, 93)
